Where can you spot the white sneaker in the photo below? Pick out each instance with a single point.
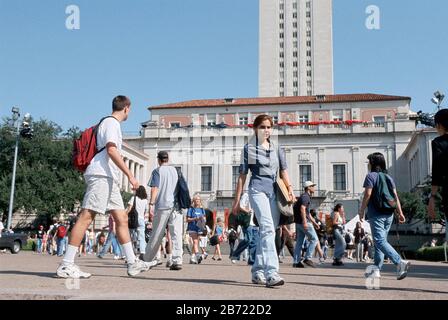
(71, 271)
(233, 261)
(169, 263)
(374, 273)
(259, 278)
(138, 266)
(274, 281)
(402, 269)
(116, 257)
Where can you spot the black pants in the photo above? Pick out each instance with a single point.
(282, 240)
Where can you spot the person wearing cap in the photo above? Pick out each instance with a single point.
(265, 159)
(305, 227)
(163, 211)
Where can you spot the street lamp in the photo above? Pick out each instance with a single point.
(28, 133)
(438, 98)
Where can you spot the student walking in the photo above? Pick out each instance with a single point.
(266, 160)
(439, 168)
(305, 224)
(196, 220)
(142, 207)
(378, 187)
(103, 194)
(164, 211)
(338, 217)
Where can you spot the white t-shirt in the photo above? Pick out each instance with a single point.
(141, 205)
(245, 203)
(102, 165)
(1, 228)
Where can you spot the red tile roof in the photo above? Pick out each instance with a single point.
(339, 98)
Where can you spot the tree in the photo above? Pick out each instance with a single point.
(46, 182)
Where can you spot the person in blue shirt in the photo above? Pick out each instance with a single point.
(381, 222)
(196, 224)
(266, 160)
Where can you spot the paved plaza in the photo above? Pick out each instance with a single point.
(32, 276)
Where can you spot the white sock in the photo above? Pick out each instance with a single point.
(169, 256)
(129, 252)
(69, 256)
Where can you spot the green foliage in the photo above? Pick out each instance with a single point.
(412, 205)
(431, 254)
(46, 182)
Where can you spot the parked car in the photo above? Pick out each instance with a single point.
(13, 241)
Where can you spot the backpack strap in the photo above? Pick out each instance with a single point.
(96, 130)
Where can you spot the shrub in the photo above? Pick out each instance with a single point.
(431, 254)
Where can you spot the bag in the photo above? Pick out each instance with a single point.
(182, 192)
(329, 227)
(243, 219)
(383, 195)
(61, 232)
(85, 148)
(214, 240)
(284, 205)
(347, 238)
(133, 216)
(232, 235)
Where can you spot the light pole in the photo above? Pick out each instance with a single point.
(438, 98)
(16, 122)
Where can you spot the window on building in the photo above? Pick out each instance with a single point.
(303, 117)
(308, 43)
(211, 120)
(295, 74)
(308, 63)
(294, 34)
(309, 83)
(282, 45)
(282, 16)
(309, 93)
(308, 5)
(337, 115)
(308, 34)
(339, 177)
(294, 24)
(379, 120)
(295, 64)
(308, 24)
(308, 14)
(235, 176)
(304, 174)
(295, 54)
(296, 93)
(282, 25)
(295, 84)
(275, 119)
(282, 64)
(282, 35)
(282, 93)
(282, 6)
(243, 120)
(174, 125)
(282, 84)
(295, 44)
(308, 53)
(308, 73)
(294, 5)
(206, 178)
(282, 74)
(294, 15)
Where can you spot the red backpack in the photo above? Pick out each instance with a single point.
(61, 232)
(84, 148)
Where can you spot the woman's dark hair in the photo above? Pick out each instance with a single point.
(262, 117)
(441, 118)
(338, 207)
(377, 162)
(141, 193)
(358, 224)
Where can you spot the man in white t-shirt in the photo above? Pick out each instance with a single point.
(103, 194)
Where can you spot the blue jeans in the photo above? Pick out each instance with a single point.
(312, 241)
(380, 226)
(39, 245)
(339, 244)
(111, 240)
(268, 216)
(60, 246)
(141, 235)
(243, 244)
(255, 236)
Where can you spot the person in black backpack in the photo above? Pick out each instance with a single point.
(379, 188)
(439, 168)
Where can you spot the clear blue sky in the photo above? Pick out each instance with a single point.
(161, 51)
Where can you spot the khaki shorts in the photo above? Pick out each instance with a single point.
(102, 195)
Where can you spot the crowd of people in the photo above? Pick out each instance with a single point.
(262, 226)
